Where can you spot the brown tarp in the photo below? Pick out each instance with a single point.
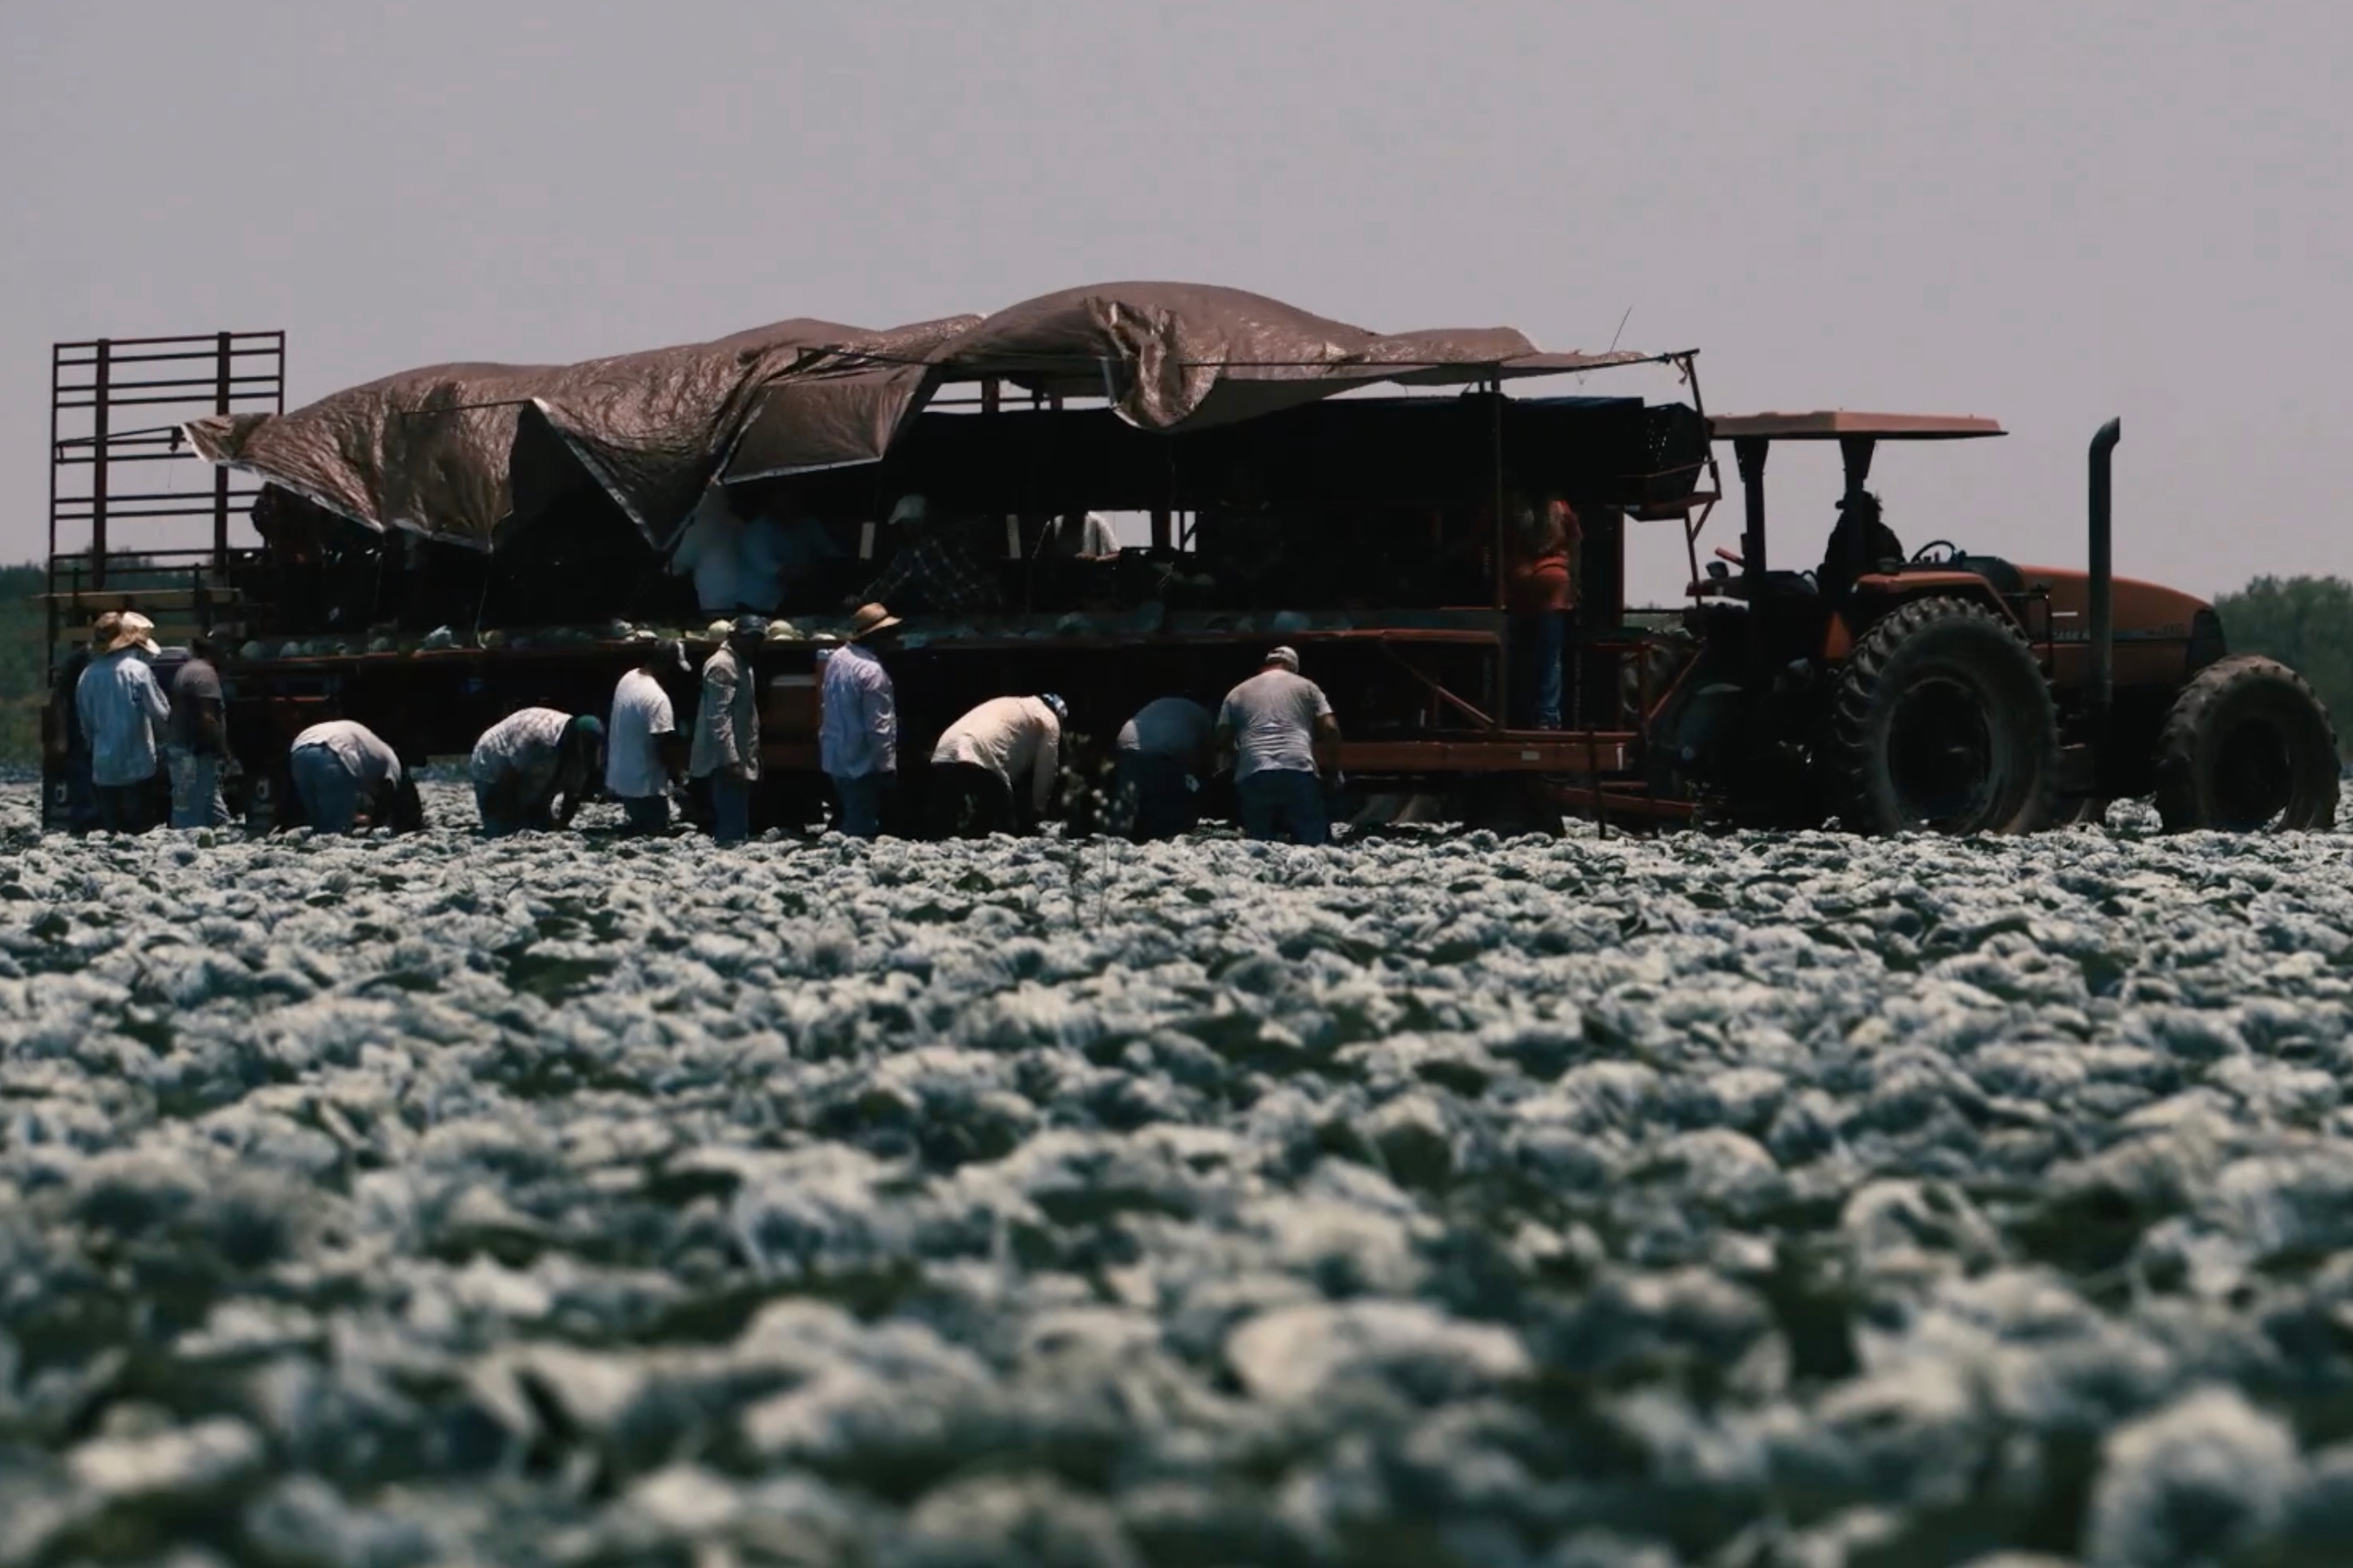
(1168, 356)
(433, 450)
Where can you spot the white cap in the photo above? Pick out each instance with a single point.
(1286, 656)
(912, 508)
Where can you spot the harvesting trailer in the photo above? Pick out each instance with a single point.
(441, 547)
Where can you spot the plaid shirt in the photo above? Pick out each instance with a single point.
(945, 575)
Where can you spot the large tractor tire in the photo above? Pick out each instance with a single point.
(1942, 723)
(2246, 747)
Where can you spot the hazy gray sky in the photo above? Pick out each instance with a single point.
(2049, 213)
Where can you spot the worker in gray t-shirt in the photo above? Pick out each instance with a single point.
(1279, 730)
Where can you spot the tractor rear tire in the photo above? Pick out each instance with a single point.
(2247, 746)
(1942, 721)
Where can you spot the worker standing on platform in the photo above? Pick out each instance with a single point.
(642, 743)
(531, 768)
(858, 741)
(1164, 752)
(1542, 597)
(981, 759)
(1277, 728)
(123, 714)
(727, 731)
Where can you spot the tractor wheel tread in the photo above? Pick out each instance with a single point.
(2194, 725)
(1856, 737)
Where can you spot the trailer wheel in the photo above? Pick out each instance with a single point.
(1942, 721)
(2247, 747)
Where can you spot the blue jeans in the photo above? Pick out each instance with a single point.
(196, 789)
(1153, 797)
(1539, 649)
(731, 809)
(861, 803)
(330, 795)
(1284, 801)
(646, 813)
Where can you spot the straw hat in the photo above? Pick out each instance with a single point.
(131, 629)
(871, 620)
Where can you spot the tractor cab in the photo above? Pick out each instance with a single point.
(1862, 559)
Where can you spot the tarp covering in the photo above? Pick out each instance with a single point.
(426, 448)
(1172, 355)
(1168, 356)
(433, 450)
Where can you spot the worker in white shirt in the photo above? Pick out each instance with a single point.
(345, 776)
(1069, 536)
(858, 737)
(984, 759)
(642, 752)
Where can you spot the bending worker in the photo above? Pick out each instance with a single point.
(346, 777)
(531, 769)
(858, 736)
(980, 756)
(727, 731)
(641, 748)
(1278, 728)
(1164, 751)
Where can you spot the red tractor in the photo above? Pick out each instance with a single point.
(1952, 691)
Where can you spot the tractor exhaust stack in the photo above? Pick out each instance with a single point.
(2100, 694)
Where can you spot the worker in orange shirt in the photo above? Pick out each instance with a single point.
(1540, 580)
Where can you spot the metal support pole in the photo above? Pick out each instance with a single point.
(1502, 650)
(102, 374)
(1749, 452)
(220, 475)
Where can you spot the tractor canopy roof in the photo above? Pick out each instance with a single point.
(1846, 424)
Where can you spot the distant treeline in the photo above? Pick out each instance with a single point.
(24, 676)
(2304, 622)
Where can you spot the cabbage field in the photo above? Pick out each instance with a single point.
(1747, 1201)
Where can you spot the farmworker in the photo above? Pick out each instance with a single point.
(345, 776)
(1164, 751)
(641, 753)
(1069, 536)
(197, 749)
(783, 549)
(1540, 595)
(531, 768)
(980, 756)
(934, 567)
(1859, 542)
(1278, 729)
(711, 549)
(858, 736)
(727, 730)
(122, 712)
(68, 742)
